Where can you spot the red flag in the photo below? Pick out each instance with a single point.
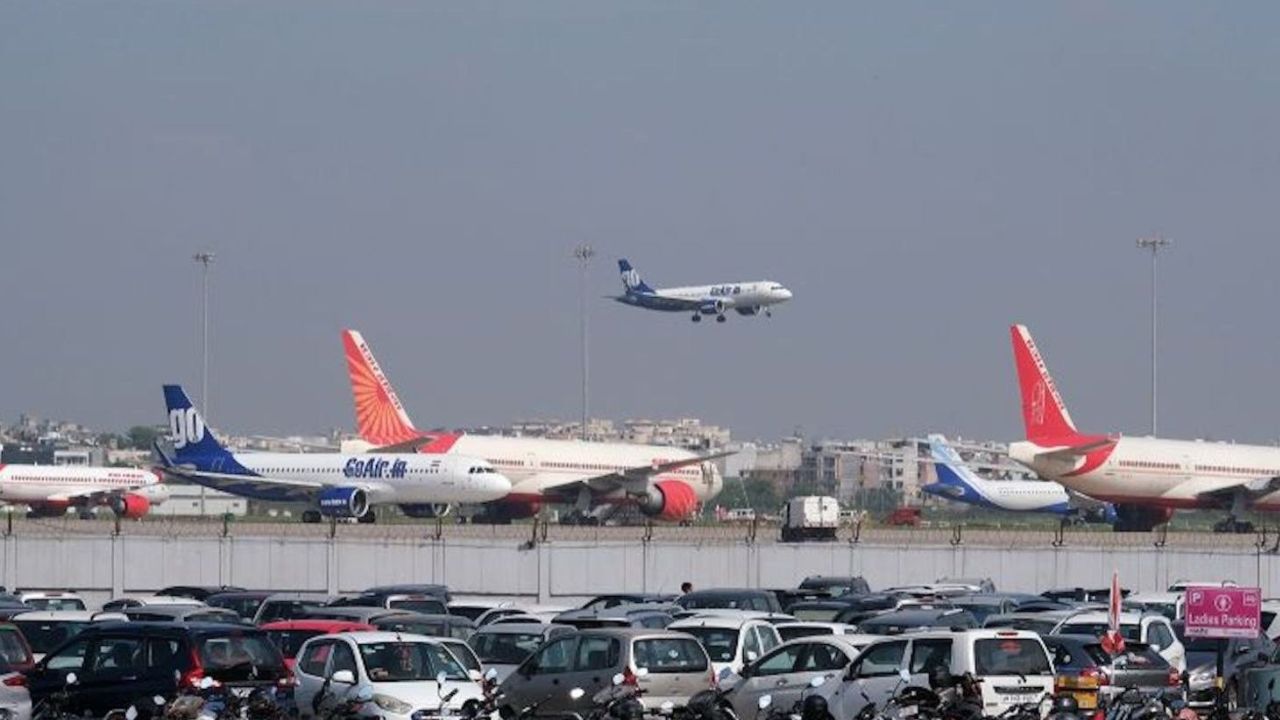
(1113, 603)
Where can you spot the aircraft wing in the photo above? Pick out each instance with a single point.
(1250, 489)
(634, 479)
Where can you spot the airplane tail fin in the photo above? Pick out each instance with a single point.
(190, 437)
(953, 473)
(1044, 415)
(631, 280)
(380, 418)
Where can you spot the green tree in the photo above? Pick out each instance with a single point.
(141, 436)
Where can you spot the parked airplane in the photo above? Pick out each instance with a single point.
(957, 481)
(1146, 477)
(339, 484)
(49, 490)
(747, 298)
(663, 482)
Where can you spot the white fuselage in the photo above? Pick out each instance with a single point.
(1022, 495)
(398, 478)
(62, 484)
(757, 293)
(1169, 473)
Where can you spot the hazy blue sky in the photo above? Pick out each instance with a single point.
(921, 174)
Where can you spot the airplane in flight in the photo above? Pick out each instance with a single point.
(746, 298)
(958, 482)
(1146, 478)
(596, 478)
(50, 490)
(338, 485)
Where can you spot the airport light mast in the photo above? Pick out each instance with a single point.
(1154, 244)
(584, 253)
(205, 259)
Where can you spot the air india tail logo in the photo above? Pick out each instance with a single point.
(379, 416)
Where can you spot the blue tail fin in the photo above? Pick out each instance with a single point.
(955, 479)
(192, 441)
(631, 278)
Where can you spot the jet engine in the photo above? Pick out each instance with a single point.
(130, 505)
(712, 307)
(670, 500)
(344, 502)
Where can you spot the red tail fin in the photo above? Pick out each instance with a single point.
(1044, 416)
(380, 418)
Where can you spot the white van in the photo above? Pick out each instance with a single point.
(1012, 665)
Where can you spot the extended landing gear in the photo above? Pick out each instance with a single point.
(1231, 525)
(368, 518)
(720, 318)
(574, 517)
(311, 517)
(768, 312)
(696, 317)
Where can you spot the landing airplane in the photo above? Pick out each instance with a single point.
(746, 298)
(339, 484)
(49, 490)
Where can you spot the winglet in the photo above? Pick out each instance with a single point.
(1044, 415)
(380, 418)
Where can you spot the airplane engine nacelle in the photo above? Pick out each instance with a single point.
(344, 502)
(1140, 518)
(423, 511)
(670, 500)
(131, 506)
(712, 307)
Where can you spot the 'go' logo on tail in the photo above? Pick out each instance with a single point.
(631, 279)
(186, 427)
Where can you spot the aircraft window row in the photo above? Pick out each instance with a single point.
(1147, 465)
(1252, 472)
(514, 463)
(474, 470)
(54, 478)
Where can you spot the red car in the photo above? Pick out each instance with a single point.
(288, 635)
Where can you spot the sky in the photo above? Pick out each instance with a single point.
(920, 174)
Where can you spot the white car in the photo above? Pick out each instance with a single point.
(1152, 629)
(808, 628)
(1012, 666)
(47, 629)
(52, 600)
(405, 674)
(132, 601)
(788, 671)
(730, 642)
(1169, 604)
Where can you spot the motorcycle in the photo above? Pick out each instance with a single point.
(54, 707)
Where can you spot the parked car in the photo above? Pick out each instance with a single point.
(1169, 604)
(643, 616)
(401, 670)
(1042, 623)
(245, 604)
(405, 602)
(504, 647)
(431, 589)
(977, 585)
(45, 630)
(1242, 661)
(473, 609)
(367, 615)
(982, 605)
(808, 628)
(862, 607)
(118, 664)
(198, 592)
(914, 619)
(125, 602)
(1182, 584)
(837, 585)
(818, 610)
(51, 600)
(288, 606)
(430, 625)
(730, 599)
(1081, 594)
(675, 667)
(730, 642)
(183, 613)
(10, 605)
(1012, 666)
(785, 672)
(289, 635)
(604, 602)
(15, 660)
(1093, 676)
(497, 613)
(1151, 629)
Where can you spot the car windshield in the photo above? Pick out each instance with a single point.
(505, 648)
(288, 642)
(56, 603)
(720, 643)
(669, 655)
(1129, 631)
(409, 662)
(1010, 656)
(241, 656)
(45, 635)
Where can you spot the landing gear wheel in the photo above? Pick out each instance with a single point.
(1231, 525)
(310, 517)
(87, 514)
(720, 318)
(768, 313)
(696, 318)
(368, 518)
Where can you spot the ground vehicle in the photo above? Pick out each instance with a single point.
(246, 604)
(440, 592)
(904, 517)
(408, 674)
(1039, 622)
(473, 609)
(183, 613)
(809, 628)
(1090, 674)
(1169, 604)
(504, 647)
(837, 585)
(287, 606)
(786, 672)
(136, 601)
(984, 605)
(367, 615)
(614, 600)
(978, 585)
(1154, 630)
(430, 625)
(730, 599)
(818, 610)
(644, 616)
(1241, 659)
(1012, 665)
(404, 602)
(51, 600)
(677, 667)
(15, 659)
(1081, 594)
(47, 629)
(289, 635)
(117, 664)
(911, 619)
(810, 517)
(494, 614)
(198, 592)
(731, 642)
(857, 609)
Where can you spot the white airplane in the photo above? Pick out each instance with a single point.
(663, 482)
(339, 484)
(49, 490)
(958, 482)
(1146, 478)
(747, 298)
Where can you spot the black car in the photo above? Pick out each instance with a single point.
(119, 664)
(245, 603)
(730, 599)
(197, 592)
(604, 602)
(437, 591)
(836, 585)
(857, 609)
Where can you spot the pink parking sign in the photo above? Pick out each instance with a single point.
(1223, 612)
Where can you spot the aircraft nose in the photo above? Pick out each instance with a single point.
(784, 293)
